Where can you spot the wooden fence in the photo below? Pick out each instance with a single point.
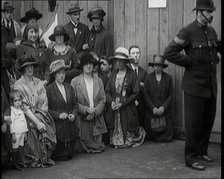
(132, 22)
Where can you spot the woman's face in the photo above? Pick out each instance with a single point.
(33, 35)
(59, 39)
(158, 68)
(88, 68)
(121, 64)
(28, 70)
(96, 22)
(60, 76)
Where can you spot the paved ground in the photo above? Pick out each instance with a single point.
(151, 160)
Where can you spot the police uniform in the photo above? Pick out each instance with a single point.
(199, 83)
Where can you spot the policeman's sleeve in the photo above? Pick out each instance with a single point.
(173, 51)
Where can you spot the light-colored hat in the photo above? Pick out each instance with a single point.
(123, 54)
(57, 65)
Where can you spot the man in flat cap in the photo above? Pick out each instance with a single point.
(99, 39)
(10, 29)
(200, 43)
(78, 31)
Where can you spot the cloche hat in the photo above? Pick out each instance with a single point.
(158, 61)
(59, 30)
(57, 65)
(32, 13)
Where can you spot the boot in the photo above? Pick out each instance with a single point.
(15, 165)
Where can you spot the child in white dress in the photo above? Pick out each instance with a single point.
(18, 129)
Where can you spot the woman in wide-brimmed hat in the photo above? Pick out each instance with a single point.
(99, 39)
(122, 115)
(63, 107)
(158, 91)
(31, 16)
(40, 123)
(90, 94)
(62, 51)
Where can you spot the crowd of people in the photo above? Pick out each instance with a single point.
(76, 95)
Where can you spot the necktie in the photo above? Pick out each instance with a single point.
(75, 29)
(136, 72)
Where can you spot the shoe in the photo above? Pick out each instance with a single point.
(195, 166)
(206, 158)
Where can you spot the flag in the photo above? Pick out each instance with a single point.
(49, 29)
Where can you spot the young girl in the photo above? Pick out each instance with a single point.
(18, 129)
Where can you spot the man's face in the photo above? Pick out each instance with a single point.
(105, 66)
(208, 16)
(135, 53)
(75, 17)
(8, 15)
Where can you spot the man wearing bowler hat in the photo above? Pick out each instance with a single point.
(200, 43)
(78, 31)
(10, 29)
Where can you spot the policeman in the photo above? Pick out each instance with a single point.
(199, 41)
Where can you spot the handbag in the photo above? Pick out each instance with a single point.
(158, 124)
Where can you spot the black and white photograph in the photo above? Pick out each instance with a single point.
(111, 89)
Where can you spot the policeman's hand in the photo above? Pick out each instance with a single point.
(90, 110)
(7, 119)
(85, 46)
(63, 116)
(71, 117)
(13, 138)
(4, 127)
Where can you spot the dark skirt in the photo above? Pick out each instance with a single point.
(63, 151)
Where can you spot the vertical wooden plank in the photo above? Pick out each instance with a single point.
(188, 14)
(110, 18)
(118, 23)
(140, 30)
(84, 5)
(129, 23)
(104, 5)
(152, 37)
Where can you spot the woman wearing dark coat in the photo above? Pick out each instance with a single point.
(122, 115)
(63, 107)
(30, 45)
(99, 39)
(158, 91)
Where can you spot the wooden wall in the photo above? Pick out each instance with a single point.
(132, 22)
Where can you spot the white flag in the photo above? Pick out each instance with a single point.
(50, 29)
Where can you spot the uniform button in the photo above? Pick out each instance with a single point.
(212, 63)
(199, 46)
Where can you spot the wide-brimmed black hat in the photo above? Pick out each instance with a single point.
(7, 6)
(73, 8)
(85, 58)
(27, 59)
(96, 13)
(32, 13)
(205, 5)
(59, 30)
(158, 61)
(57, 65)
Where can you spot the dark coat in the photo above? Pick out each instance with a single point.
(77, 41)
(200, 46)
(100, 42)
(128, 111)
(39, 52)
(159, 95)
(66, 130)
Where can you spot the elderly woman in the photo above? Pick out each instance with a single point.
(30, 44)
(41, 138)
(91, 98)
(63, 107)
(61, 51)
(121, 92)
(158, 91)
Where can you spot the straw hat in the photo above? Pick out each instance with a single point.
(57, 65)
